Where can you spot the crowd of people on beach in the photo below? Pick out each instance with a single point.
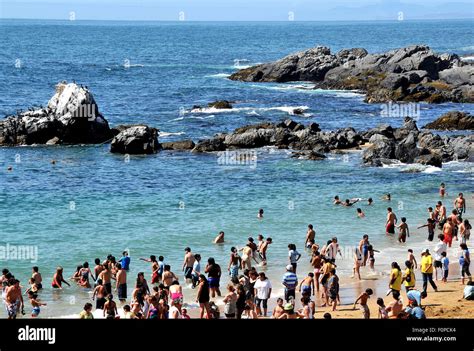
(249, 290)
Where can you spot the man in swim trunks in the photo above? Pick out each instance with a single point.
(460, 204)
(234, 265)
(110, 308)
(13, 298)
(391, 222)
(106, 276)
(37, 277)
(121, 284)
(188, 263)
(310, 236)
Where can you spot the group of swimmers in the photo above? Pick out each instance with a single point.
(248, 292)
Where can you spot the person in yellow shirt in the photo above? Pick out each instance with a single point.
(427, 270)
(395, 278)
(409, 276)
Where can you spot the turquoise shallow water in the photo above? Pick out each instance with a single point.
(92, 203)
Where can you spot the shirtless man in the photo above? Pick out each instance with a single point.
(441, 213)
(391, 222)
(246, 257)
(188, 263)
(310, 236)
(168, 276)
(110, 308)
(460, 204)
(121, 283)
(100, 292)
(263, 250)
(106, 276)
(455, 221)
(332, 249)
(336, 200)
(219, 238)
(155, 269)
(37, 277)
(98, 267)
(13, 299)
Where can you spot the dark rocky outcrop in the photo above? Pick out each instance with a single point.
(178, 145)
(139, 139)
(381, 145)
(454, 120)
(71, 117)
(413, 73)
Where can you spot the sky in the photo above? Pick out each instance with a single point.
(237, 10)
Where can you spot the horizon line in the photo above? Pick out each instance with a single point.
(197, 20)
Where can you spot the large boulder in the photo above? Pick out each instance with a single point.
(454, 120)
(72, 117)
(139, 139)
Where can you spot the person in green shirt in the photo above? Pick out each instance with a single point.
(87, 312)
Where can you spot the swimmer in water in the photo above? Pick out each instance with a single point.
(219, 238)
(360, 213)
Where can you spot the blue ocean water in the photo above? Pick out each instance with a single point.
(92, 203)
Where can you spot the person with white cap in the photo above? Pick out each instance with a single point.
(427, 270)
(290, 281)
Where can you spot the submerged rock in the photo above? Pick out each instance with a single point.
(178, 145)
(71, 117)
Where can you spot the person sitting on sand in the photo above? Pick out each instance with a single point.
(289, 312)
(307, 311)
(86, 312)
(468, 292)
(278, 310)
(391, 222)
(415, 311)
(110, 308)
(383, 314)
(362, 299)
(249, 313)
(219, 238)
(395, 307)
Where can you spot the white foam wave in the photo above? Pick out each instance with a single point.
(212, 110)
(167, 134)
(218, 75)
(467, 58)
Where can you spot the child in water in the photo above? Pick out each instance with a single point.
(35, 304)
(403, 231)
(442, 190)
(430, 224)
